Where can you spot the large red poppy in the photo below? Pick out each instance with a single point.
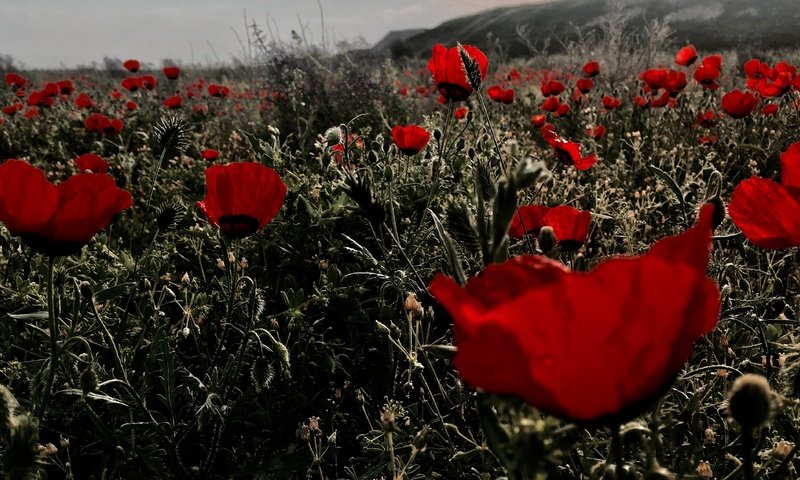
(592, 347)
(739, 104)
(410, 139)
(242, 197)
(93, 163)
(570, 225)
(449, 72)
(57, 220)
(767, 212)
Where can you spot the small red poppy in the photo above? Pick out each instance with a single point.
(584, 85)
(132, 65)
(707, 119)
(410, 139)
(99, 123)
(569, 153)
(552, 87)
(597, 132)
(220, 91)
(57, 220)
(712, 61)
(519, 325)
(12, 109)
(209, 154)
(131, 84)
(242, 197)
(15, 80)
(706, 76)
(449, 73)
(83, 100)
(611, 103)
(570, 225)
(770, 109)
(461, 113)
(173, 102)
(93, 163)
(551, 104)
(538, 120)
(591, 69)
(675, 82)
(501, 95)
(172, 73)
(767, 212)
(130, 105)
(686, 56)
(739, 104)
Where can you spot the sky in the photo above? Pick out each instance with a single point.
(68, 33)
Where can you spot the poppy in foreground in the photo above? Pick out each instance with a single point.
(410, 139)
(91, 162)
(57, 220)
(596, 347)
(569, 153)
(768, 212)
(570, 225)
(450, 74)
(739, 104)
(242, 197)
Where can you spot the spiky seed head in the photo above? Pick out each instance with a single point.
(172, 134)
(169, 215)
(751, 402)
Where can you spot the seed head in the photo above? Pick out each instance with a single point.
(751, 402)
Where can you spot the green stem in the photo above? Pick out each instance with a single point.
(53, 326)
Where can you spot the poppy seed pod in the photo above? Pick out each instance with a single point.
(751, 402)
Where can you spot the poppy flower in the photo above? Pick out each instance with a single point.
(31, 112)
(569, 153)
(770, 109)
(501, 95)
(675, 82)
(570, 225)
(461, 113)
(83, 100)
(552, 87)
(132, 65)
(562, 110)
(686, 56)
(706, 76)
(597, 132)
(712, 61)
(172, 73)
(148, 82)
(591, 69)
(611, 103)
(220, 91)
(654, 77)
(209, 154)
(410, 139)
(173, 102)
(57, 220)
(450, 74)
(130, 105)
(596, 348)
(241, 198)
(584, 85)
(660, 101)
(131, 84)
(538, 120)
(551, 104)
(99, 123)
(739, 104)
(707, 119)
(767, 212)
(12, 109)
(65, 87)
(91, 162)
(15, 80)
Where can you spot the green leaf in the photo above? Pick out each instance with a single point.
(453, 259)
(29, 316)
(116, 291)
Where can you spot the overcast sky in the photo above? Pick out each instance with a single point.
(66, 33)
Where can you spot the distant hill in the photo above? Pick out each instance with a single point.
(708, 24)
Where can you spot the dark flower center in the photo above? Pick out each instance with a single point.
(452, 92)
(238, 226)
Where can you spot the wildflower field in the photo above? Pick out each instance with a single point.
(462, 266)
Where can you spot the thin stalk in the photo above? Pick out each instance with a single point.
(53, 325)
(748, 445)
(616, 451)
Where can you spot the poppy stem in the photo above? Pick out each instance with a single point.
(53, 326)
(616, 451)
(747, 447)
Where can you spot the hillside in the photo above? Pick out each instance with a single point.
(710, 25)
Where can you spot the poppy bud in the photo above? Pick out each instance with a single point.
(471, 153)
(751, 402)
(86, 290)
(372, 157)
(547, 239)
(421, 438)
(383, 329)
(460, 144)
(437, 134)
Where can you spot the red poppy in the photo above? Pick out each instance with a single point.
(739, 104)
(218, 91)
(210, 154)
(97, 122)
(707, 76)
(584, 85)
(708, 140)
(570, 225)
(449, 73)
(707, 119)
(611, 103)
(675, 82)
(597, 132)
(660, 101)
(410, 139)
(527, 327)
(770, 109)
(499, 94)
(131, 84)
(116, 95)
(31, 112)
(641, 102)
(172, 73)
(538, 120)
(12, 109)
(130, 105)
(461, 113)
(755, 68)
(551, 104)
(591, 69)
(132, 65)
(91, 162)
(242, 197)
(173, 102)
(712, 61)
(654, 77)
(767, 212)
(552, 87)
(562, 110)
(15, 80)
(65, 87)
(83, 100)
(148, 82)
(686, 56)
(57, 220)
(569, 152)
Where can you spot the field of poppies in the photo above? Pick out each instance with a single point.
(463, 266)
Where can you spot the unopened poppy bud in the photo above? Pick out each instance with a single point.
(383, 328)
(413, 306)
(471, 153)
(421, 438)
(86, 290)
(333, 136)
(469, 116)
(460, 144)
(185, 279)
(751, 402)
(313, 426)
(437, 134)
(547, 239)
(372, 157)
